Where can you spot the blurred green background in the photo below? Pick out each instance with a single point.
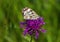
(11, 15)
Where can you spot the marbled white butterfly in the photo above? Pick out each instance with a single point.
(29, 13)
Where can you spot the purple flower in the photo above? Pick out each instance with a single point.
(32, 27)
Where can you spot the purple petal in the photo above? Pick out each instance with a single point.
(37, 34)
(43, 23)
(22, 24)
(42, 30)
(25, 32)
(30, 32)
(40, 19)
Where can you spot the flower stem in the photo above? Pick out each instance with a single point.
(31, 39)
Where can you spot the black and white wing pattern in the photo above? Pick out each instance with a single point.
(29, 13)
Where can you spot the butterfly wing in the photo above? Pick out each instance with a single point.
(29, 13)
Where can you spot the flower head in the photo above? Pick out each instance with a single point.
(32, 27)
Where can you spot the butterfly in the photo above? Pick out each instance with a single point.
(29, 13)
